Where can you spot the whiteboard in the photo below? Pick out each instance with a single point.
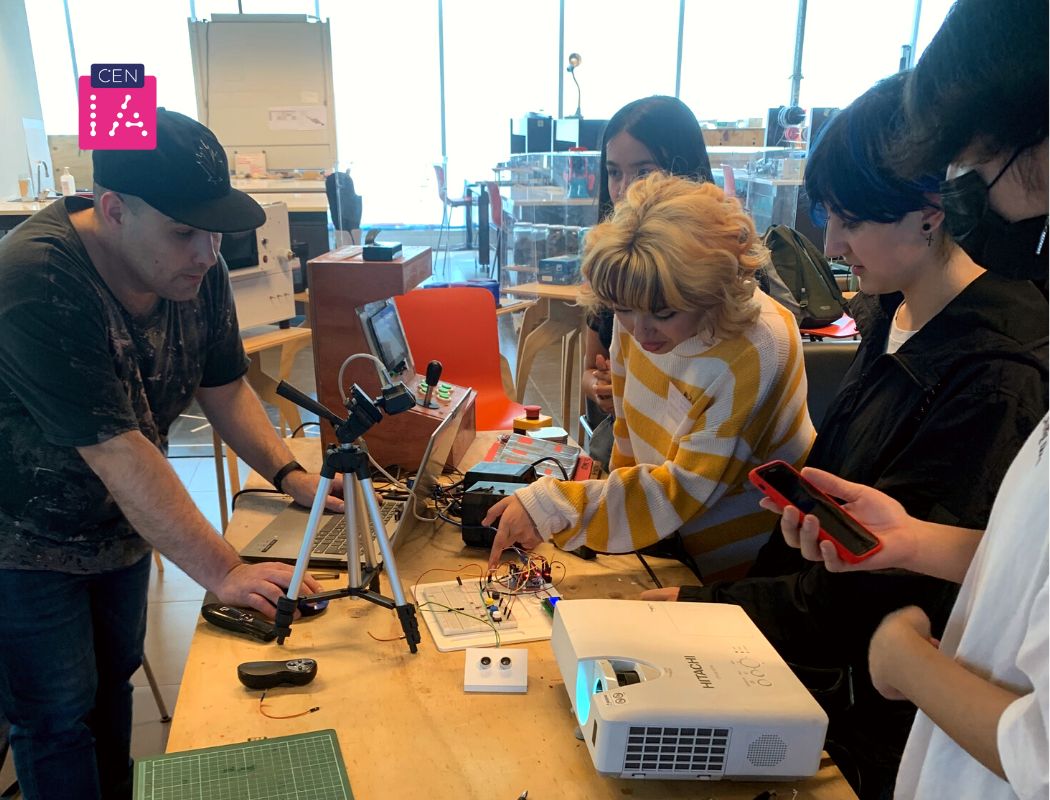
(264, 83)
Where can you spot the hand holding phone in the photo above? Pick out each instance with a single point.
(786, 487)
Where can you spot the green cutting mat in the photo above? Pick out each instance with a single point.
(307, 766)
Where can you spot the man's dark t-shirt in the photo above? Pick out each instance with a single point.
(77, 369)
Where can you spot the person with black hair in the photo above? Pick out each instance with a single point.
(948, 380)
(978, 109)
(977, 101)
(115, 313)
(653, 134)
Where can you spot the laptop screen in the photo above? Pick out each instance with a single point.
(436, 454)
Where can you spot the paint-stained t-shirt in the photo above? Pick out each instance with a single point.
(77, 369)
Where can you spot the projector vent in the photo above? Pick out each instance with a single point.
(767, 750)
(677, 750)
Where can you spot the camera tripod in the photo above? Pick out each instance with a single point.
(360, 511)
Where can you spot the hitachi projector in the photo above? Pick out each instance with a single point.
(684, 690)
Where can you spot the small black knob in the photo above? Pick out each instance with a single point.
(433, 373)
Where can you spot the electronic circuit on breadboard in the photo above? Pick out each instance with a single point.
(470, 613)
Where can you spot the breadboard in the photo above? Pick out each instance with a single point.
(307, 766)
(465, 627)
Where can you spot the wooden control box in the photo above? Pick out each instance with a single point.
(340, 283)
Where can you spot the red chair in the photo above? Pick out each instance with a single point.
(457, 326)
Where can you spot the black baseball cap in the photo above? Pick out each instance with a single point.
(186, 177)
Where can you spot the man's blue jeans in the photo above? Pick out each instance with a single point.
(69, 645)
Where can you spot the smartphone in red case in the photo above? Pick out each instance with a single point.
(786, 487)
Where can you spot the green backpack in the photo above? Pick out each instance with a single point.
(816, 299)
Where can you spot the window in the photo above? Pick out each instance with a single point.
(387, 101)
(734, 69)
(501, 61)
(54, 75)
(628, 49)
(851, 46)
(126, 32)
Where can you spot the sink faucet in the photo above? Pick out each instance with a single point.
(41, 193)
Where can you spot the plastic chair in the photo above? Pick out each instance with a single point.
(449, 203)
(457, 326)
(496, 221)
(344, 203)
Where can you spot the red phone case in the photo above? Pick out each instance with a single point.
(783, 502)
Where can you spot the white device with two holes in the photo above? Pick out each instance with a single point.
(689, 691)
(502, 670)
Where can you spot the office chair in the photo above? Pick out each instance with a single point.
(496, 221)
(457, 326)
(826, 365)
(344, 203)
(447, 204)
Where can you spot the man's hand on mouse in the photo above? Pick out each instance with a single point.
(259, 586)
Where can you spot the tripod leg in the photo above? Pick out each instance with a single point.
(286, 605)
(406, 612)
(368, 547)
(355, 523)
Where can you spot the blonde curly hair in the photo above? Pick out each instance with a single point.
(672, 243)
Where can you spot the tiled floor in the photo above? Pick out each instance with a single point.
(175, 599)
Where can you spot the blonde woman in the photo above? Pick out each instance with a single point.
(707, 378)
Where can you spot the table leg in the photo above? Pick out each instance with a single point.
(562, 319)
(534, 316)
(568, 360)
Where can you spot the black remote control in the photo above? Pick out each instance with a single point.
(267, 674)
(239, 620)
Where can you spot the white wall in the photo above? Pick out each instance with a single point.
(19, 95)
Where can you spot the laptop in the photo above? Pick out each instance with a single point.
(283, 537)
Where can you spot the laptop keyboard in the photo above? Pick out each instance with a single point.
(331, 539)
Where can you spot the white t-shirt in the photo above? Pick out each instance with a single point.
(999, 628)
(897, 335)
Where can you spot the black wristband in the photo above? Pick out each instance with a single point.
(283, 472)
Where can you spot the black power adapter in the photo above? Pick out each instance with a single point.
(500, 472)
(475, 503)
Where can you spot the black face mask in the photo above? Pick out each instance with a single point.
(1014, 250)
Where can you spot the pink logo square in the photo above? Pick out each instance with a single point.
(118, 119)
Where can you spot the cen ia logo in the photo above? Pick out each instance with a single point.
(118, 108)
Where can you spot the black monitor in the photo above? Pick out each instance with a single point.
(240, 250)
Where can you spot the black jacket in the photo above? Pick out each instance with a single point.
(934, 425)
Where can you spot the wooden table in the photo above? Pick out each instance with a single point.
(405, 726)
(554, 317)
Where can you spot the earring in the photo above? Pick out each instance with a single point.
(929, 236)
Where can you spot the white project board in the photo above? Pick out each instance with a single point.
(264, 83)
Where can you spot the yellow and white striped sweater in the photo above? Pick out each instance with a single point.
(690, 425)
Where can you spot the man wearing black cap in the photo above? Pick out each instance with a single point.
(113, 316)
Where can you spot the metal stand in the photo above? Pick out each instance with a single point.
(361, 511)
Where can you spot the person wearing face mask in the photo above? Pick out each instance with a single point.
(948, 380)
(115, 312)
(978, 112)
(652, 134)
(977, 99)
(708, 382)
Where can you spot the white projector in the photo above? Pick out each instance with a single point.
(691, 691)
